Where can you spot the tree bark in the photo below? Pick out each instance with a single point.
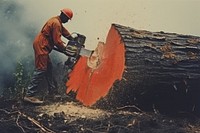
(162, 71)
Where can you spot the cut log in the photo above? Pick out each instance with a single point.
(162, 70)
(93, 77)
(153, 70)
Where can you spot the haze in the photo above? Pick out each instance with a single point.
(93, 18)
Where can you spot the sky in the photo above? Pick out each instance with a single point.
(93, 18)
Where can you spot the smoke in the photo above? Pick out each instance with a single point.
(17, 32)
(15, 40)
(91, 18)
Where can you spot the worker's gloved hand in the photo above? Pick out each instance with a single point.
(71, 50)
(71, 38)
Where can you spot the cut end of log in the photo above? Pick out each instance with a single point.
(93, 77)
(95, 59)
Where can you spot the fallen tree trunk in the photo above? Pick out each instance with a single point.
(162, 70)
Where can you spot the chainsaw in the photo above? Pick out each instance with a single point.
(74, 50)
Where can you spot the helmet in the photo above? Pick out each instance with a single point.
(68, 12)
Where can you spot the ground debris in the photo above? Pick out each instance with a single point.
(72, 117)
(72, 110)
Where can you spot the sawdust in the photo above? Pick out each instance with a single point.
(71, 117)
(71, 109)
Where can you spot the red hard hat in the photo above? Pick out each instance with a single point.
(68, 12)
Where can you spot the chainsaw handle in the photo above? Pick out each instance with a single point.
(67, 53)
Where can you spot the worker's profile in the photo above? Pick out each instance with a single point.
(44, 42)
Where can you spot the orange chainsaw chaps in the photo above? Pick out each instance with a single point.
(91, 84)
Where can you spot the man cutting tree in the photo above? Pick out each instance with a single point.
(44, 42)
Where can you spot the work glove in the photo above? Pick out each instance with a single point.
(71, 50)
(70, 38)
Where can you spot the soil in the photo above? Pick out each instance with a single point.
(70, 116)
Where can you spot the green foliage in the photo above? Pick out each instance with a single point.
(22, 77)
(20, 82)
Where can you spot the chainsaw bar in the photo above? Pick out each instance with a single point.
(73, 52)
(85, 52)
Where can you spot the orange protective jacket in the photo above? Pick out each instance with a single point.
(47, 38)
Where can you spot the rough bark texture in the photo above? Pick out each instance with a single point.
(162, 71)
